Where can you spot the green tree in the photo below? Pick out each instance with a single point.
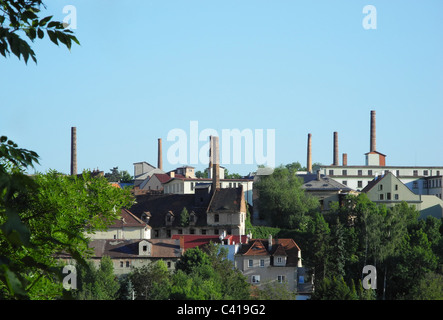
(282, 201)
(97, 283)
(430, 287)
(43, 216)
(20, 18)
(151, 282)
(333, 289)
(184, 217)
(118, 176)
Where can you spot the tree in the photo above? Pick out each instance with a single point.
(333, 289)
(22, 16)
(430, 287)
(282, 201)
(151, 282)
(118, 176)
(97, 283)
(43, 216)
(184, 217)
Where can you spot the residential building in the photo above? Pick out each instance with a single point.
(389, 190)
(275, 261)
(324, 188)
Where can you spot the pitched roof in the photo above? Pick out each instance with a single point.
(325, 183)
(374, 182)
(280, 247)
(226, 200)
(161, 248)
(127, 219)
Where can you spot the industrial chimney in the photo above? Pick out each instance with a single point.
(160, 159)
(215, 160)
(335, 163)
(309, 161)
(345, 159)
(73, 151)
(373, 139)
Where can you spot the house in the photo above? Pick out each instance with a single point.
(324, 188)
(142, 171)
(389, 190)
(209, 212)
(275, 261)
(129, 254)
(127, 226)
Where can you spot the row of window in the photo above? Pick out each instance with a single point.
(127, 264)
(415, 173)
(256, 279)
(278, 260)
(180, 231)
(388, 196)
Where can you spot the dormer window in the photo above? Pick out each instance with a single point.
(169, 218)
(192, 218)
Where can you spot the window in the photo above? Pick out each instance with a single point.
(230, 184)
(262, 263)
(281, 279)
(216, 231)
(415, 185)
(169, 264)
(396, 187)
(145, 248)
(381, 196)
(203, 231)
(360, 172)
(425, 172)
(398, 173)
(168, 233)
(369, 172)
(345, 172)
(359, 184)
(279, 259)
(255, 279)
(380, 187)
(192, 231)
(250, 263)
(345, 182)
(192, 185)
(388, 196)
(216, 218)
(156, 233)
(415, 173)
(396, 196)
(121, 264)
(180, 231)
(127, 264)
(331, 172)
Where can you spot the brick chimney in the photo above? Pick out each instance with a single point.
(215, 160)
(160, 158)
(73, 151)
(345, 159)
(373, 146)
(309, 160)
(335, 163)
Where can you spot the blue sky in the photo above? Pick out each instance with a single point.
(145, 68)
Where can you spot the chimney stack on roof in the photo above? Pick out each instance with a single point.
(373, 146)
(309, 161)
(335, 163)
(73, 151)
(160, 158)
(345, 159)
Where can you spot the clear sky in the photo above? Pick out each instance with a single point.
(145, 68)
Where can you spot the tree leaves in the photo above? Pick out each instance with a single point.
(21, 15)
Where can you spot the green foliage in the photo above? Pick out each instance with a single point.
(97, 283)
(151, 282)
(283, 203)
(333, 289)
(43, 216)
(22, 16)
(184, 217)
(118, 176)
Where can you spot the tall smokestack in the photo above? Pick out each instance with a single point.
(160, 158)
(345, 159)
(73, 151)
(309, 161)
(373, 146)
(335, 163)
(215, 160)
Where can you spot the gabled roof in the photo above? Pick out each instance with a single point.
(280, 247)
(161, 248)
(325, 183)
(227, 200)
(371, 184)
(372, 152)
(127, 219)
(162, 177)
